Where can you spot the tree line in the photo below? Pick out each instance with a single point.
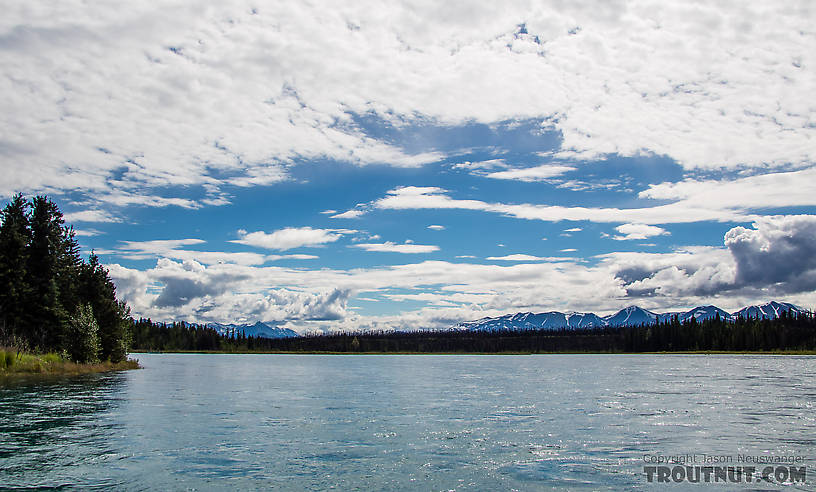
(788, 332)
(51, 299)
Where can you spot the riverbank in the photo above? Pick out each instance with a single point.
(14, 363)
(317, 352)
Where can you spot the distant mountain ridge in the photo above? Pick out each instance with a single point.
(258, 330)
(628, 316)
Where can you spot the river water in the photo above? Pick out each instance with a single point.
(435, 422)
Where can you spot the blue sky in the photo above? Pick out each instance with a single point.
(403, 166)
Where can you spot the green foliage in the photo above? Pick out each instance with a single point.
(83, 345)
(97, 289)
(47, 314)
(52, 358)
(7, 358)
(15, 236)
(43, 280)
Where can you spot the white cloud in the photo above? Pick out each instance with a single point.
(772, 260)
(523, 257)
(88, 232)
(194, 94)
(290, 257)
(435, 227)
(726, 200)
(574, 229)
(172, 248)
(89, 216)
(779, 250)
(260, 176)
(481, 166)
(354, 213)
(389, 247)
(159, 246)
(329, 212)
(531, 174)
(291, 237)
(638, 231)
(760, 192)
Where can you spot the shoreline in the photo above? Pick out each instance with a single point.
(15, 364)
(316, 352)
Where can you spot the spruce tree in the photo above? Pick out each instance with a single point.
(47, 317)
(68, 268)
(97, 289)
(15, 235)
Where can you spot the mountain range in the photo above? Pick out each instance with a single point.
(629, 316)
(554, 320)
(258, 330)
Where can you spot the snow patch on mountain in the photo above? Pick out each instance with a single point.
(770, 310)
(258, 330)
(628, 316)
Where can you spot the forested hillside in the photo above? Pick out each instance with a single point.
(51, 299)
(786, 333)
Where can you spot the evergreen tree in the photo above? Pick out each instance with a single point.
(113, 317)
(47, 292)
(47, 317)
(15, 235)
(68, 269)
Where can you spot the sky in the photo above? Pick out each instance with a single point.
(411, 165)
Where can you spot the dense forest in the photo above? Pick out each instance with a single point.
(790, 333)
(51, 300)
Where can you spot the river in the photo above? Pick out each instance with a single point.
(405, 422)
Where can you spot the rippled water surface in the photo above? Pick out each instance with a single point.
(310, 422)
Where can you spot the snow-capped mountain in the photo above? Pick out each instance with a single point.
(585, 320)
(770, 310)
(629, 316)
(703, 313)
(530, 321)
(258, 329)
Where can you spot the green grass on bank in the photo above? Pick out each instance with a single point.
(13, 362)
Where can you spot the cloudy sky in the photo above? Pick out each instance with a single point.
(411, 165)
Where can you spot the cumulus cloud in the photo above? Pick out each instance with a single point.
(684, 276)
(772, 259)
(778, 250)
(291, 237)
(183, 284)
(638, 231)
(435, 227)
